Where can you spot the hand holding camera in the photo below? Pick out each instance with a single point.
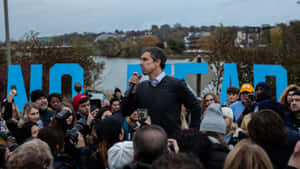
(12, 93)
(172, 145)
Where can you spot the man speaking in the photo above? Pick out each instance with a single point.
(162, 95)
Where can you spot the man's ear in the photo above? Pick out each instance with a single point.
(158, 61)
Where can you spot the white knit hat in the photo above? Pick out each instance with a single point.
(120, 154)
(227, 112)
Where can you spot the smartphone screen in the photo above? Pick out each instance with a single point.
(142, 114)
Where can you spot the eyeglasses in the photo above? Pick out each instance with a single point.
(209, 100)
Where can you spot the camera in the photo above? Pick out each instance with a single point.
(72, 133)
(63, 115)
(251, 96)
(95, 98)
(171, 147)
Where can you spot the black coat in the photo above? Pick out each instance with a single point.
(217, 156)
(95, 162)
(138, 165)
(279, 156)
(63, 161)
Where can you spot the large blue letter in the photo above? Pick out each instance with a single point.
(261, 71)
(36, 77)
(230, 78)
(61, 69)
(181, 69)
(137, 68)
(15, 77)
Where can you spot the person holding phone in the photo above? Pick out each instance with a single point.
(10, 111)
(161, 95)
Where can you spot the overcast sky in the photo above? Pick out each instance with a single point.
(55, 17)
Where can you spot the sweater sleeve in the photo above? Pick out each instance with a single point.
(128, 104)
(192, 103)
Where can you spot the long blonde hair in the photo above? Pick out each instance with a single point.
(247, 155)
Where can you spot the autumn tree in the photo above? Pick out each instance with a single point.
(148, 41)
(31, 50)
(110, 47)
(176, 45)
(129, 48)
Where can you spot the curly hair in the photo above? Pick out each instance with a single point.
(284, 96)
(203, 102)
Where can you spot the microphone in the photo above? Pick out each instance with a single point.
(131, 85)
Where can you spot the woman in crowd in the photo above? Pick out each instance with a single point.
(208, 99)
(55, 139)
(286, 96)
(69, 122)
(54, 101)
(247, 155)
(109, 131)
(233, 133)
(30, 113)
(28, 131)
(213, 126)
(266, 128)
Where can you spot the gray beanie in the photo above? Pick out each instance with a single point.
(120, 154)
(213, 120)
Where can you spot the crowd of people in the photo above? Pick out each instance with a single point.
(158, 124)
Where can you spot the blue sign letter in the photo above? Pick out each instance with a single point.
(261, 71)
(61, 69)
(15, 77)
(181, 69)
(36, 77)
(230, 78)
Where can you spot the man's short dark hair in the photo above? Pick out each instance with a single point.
(233, 90)
(149, 143)
(113, 100)
(177, 161)
(83, 100)
(157, 53)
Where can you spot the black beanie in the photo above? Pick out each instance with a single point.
(36, 94)
(117, 90)
(266, 94)
(108, 129)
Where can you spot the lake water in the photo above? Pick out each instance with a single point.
(115, 72)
